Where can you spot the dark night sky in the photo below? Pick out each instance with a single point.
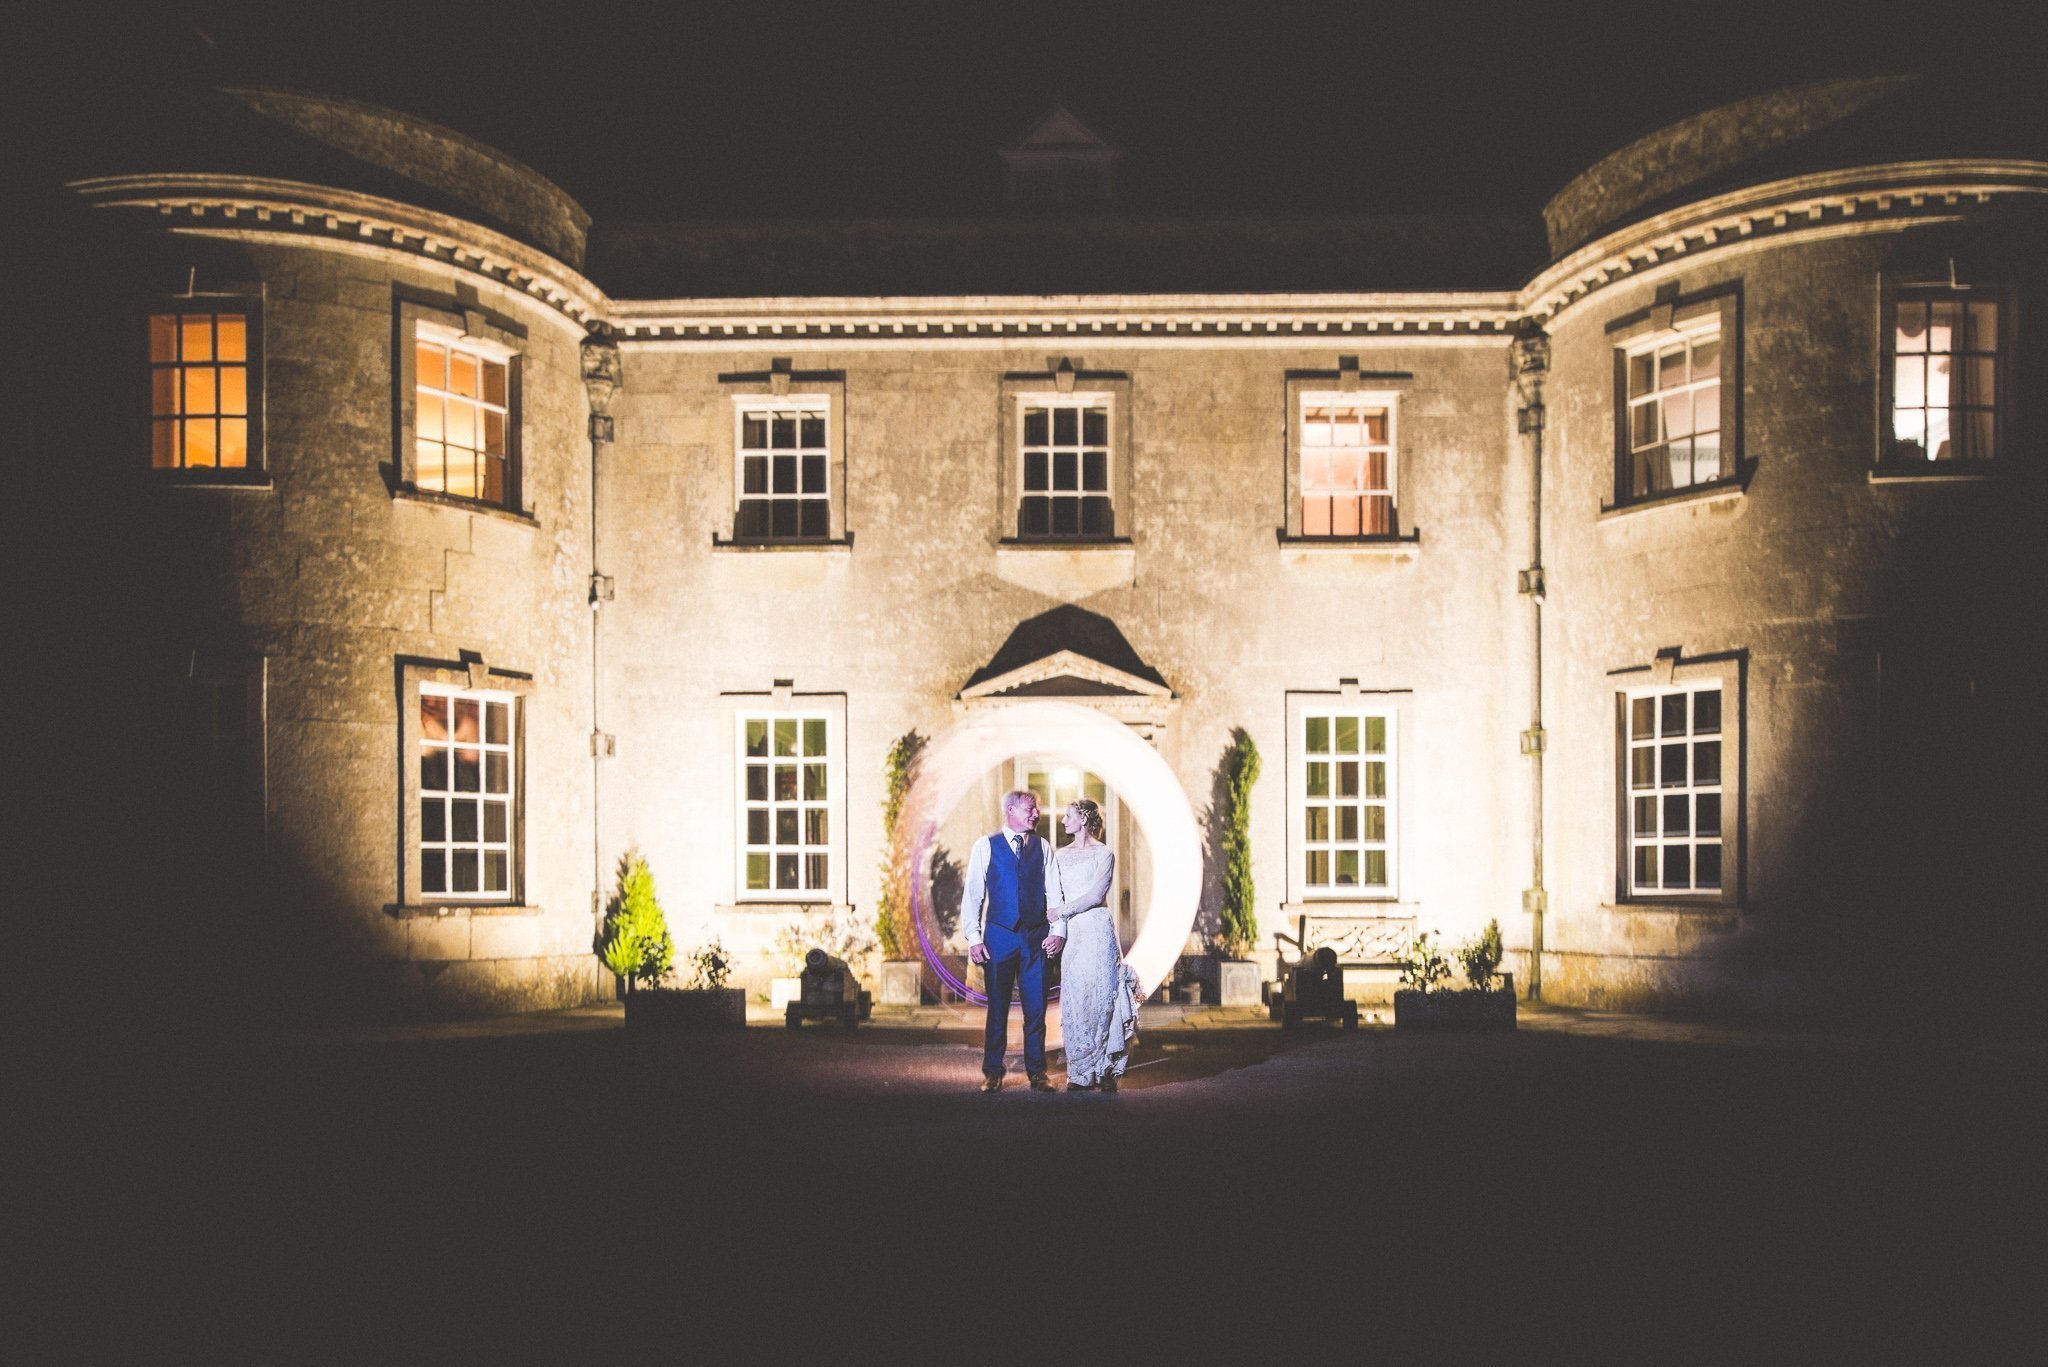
(695, 110)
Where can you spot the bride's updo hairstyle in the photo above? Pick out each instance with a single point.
(1090, 813)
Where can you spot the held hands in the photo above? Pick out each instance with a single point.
(1054, 943)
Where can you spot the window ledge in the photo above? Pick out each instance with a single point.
(409, 911)
(783, 906)
(1105, 545)
(1399, 546)
(1728, 912)
(1720, 491)
(466, 505)
(184, 480)
(799, 546)
(1393, 908)
(1931, 472)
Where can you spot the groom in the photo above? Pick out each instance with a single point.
(1006, 881)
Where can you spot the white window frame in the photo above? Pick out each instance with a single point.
(1363, 401)
(1079, 400)
(802, 405)
(1964, 350)
(483, 350)
(832, 805)
(1658, 792)
(1381, 707)
(1689, 334)
(448, 846)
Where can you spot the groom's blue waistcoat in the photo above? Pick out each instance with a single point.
(1016, 887)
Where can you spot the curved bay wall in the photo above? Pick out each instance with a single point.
(1869, 625)
(273, 627)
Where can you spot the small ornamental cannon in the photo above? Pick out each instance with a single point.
(827, 991)
(1314, 990)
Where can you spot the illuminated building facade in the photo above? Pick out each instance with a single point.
(1654, 579)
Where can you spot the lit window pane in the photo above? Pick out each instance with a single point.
(234, 390)
(234, 443)
(432, 362)
(1911, 333)
(195, 337)
(1983, 324)
(232, 336)
(200, 440)
(494, 382)
(163, 397)
(163, 338)
(199, 390)
(462, 374)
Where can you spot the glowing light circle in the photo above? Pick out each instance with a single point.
(957, 759)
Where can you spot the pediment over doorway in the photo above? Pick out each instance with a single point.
(1073, 655)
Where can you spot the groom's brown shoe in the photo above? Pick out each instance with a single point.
(1041, 1083)
(992, 1082)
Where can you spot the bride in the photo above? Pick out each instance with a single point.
(1098, 1001)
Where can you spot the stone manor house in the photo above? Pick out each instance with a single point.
(1659, 577)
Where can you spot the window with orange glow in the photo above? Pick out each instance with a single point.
(1347, 466)
(199, 370)
(462, 420)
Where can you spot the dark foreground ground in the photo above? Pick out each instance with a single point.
(1584, 1189)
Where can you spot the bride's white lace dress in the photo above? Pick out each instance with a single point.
(1098, 1013)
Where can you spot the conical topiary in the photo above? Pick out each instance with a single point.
(634, 941)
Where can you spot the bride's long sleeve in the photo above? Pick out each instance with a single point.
(1089, 896)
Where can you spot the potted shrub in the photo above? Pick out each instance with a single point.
(1487, 1004)
(634, 943)
(1237, 977)
(902, 974)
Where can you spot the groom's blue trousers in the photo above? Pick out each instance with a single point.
(1016, 961)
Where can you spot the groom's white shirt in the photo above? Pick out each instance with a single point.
(974, 893)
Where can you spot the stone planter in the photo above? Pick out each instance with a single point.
(691, 1008)
(902, 982)
(1238, 985)
(1455, 1009)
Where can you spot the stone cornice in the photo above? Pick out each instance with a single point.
(1831, 203)
(1881, 198)
(1159, 318)
(234, 205)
